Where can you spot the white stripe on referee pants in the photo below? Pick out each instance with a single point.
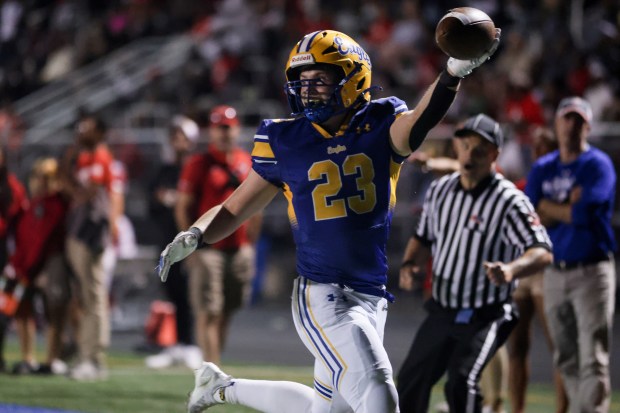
(476, 370)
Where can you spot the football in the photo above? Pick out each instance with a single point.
(465, 33)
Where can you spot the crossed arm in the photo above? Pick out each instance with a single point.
(553, 212)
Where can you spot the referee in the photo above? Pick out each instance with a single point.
(483, 234)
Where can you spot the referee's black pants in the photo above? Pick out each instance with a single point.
(461, 348)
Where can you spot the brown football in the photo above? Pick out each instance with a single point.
(465, 33)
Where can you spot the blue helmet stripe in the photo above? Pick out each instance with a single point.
(304, 45)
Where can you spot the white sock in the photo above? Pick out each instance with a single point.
(271, 396)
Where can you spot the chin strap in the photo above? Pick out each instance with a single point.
(319, 114)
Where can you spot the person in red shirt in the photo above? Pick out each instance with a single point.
(88, 180)
(220, 274)
(38, 263)
(13, 201)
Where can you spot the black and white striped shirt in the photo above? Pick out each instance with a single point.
(493, 222)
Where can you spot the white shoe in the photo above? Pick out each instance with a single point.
(88, 371)
(162, 360)
(209, 380)
(59, 367)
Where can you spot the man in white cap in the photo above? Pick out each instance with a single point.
(573, 190)
(183, 134)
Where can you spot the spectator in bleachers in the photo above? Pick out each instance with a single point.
(599, 91)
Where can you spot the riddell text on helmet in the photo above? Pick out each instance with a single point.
(302, 59)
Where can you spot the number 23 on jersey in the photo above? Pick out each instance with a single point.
(327, 204)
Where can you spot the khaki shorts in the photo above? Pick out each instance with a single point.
(219, 281)
(54, 280)
(529, 287)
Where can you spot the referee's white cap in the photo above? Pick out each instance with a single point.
(484, 126)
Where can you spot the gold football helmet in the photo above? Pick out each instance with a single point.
(340, 52)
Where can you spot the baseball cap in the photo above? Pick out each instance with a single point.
(484, 126)
(189, 128)
(577, 105)
(223, 115)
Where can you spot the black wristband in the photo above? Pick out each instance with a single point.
(407, 263)
(197, 232)
(447, 80)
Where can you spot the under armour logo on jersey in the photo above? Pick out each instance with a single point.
(336, 150)
(332, 297)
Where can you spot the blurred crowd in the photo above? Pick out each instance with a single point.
(550, 48)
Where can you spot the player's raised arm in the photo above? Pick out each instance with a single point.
(468, 50)
(252, 196)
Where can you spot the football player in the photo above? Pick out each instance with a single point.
(337, 161)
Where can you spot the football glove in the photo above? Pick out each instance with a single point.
(181, 246)
(461, 68)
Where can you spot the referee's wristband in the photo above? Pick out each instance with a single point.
(407, 263)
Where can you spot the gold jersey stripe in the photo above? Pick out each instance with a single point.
(262, 150)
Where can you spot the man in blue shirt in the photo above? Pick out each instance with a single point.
(573, 191)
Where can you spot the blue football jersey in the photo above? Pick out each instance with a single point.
(341, 191)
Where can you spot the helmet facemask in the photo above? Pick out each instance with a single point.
(304, 98)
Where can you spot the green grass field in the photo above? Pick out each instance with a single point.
(134, 388)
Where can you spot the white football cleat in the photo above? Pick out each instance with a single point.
(209, 386)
